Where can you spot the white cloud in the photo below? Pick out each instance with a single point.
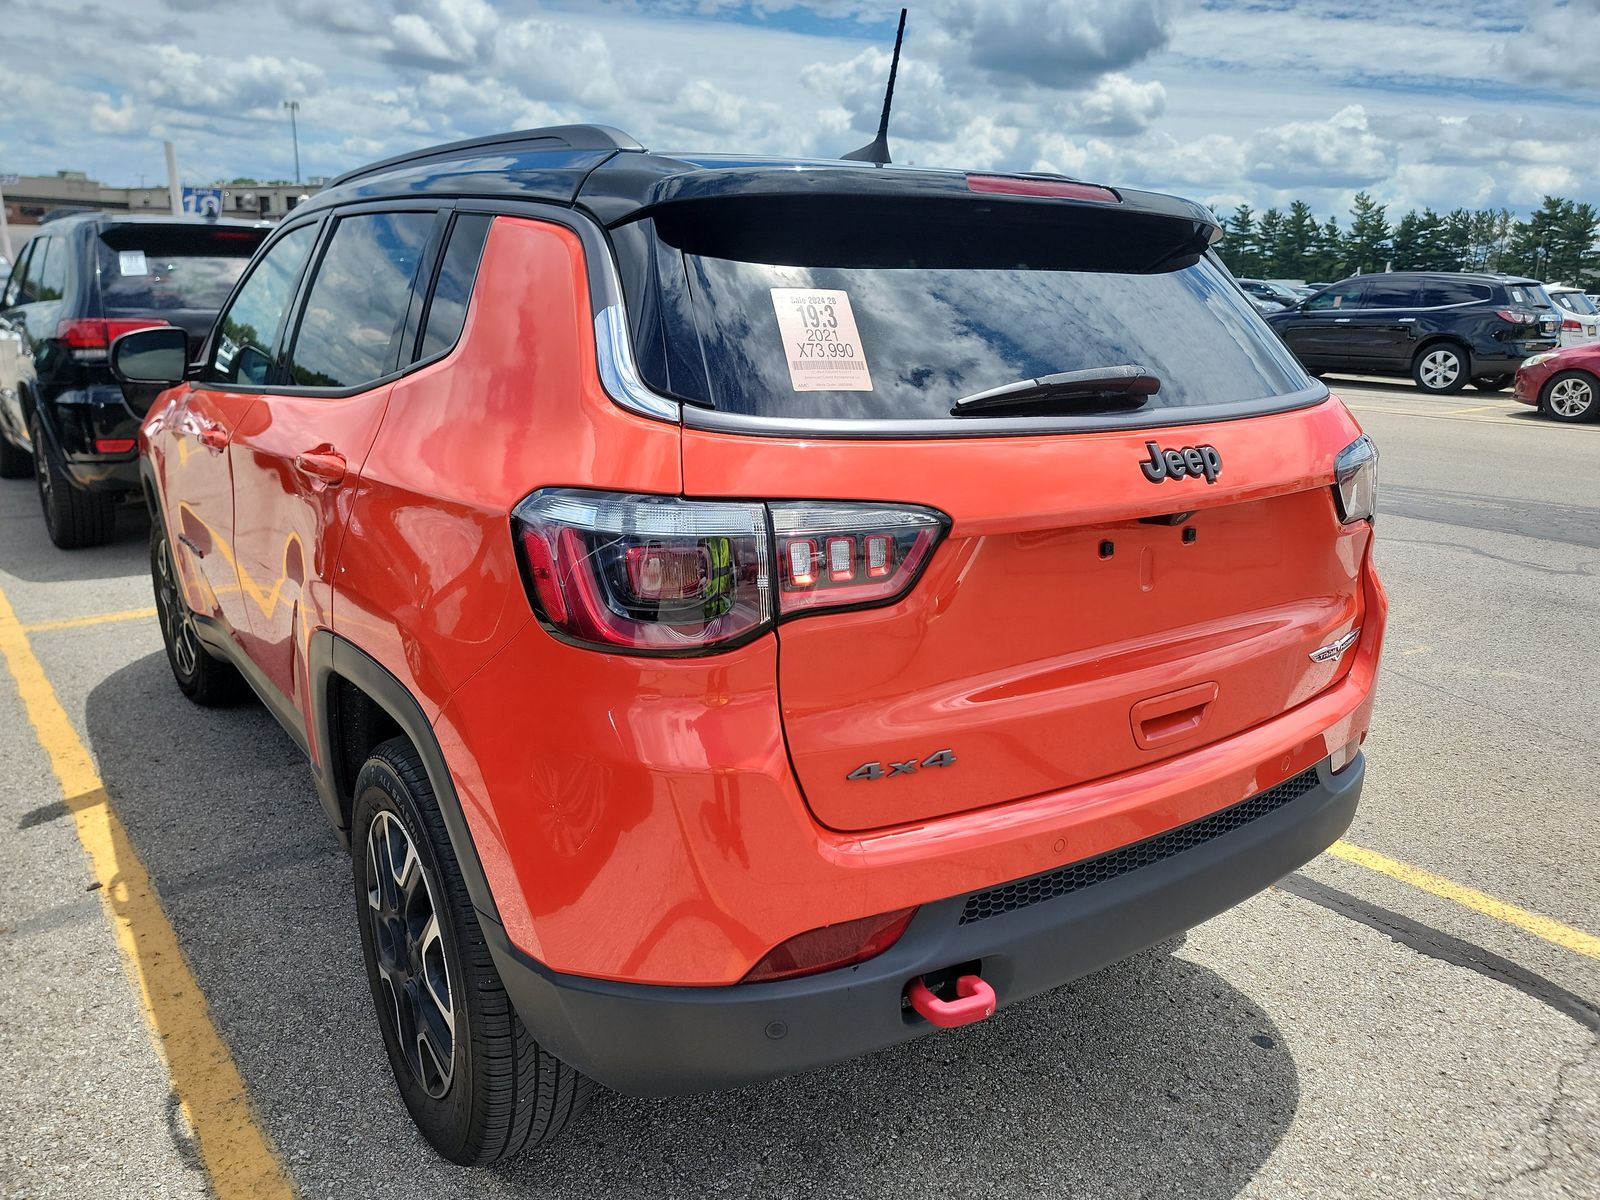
(1118, 105)
(1341, 152)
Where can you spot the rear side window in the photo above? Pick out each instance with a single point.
(1438, 293)
(355, 312)
(447, 310)
(47, 280)
(905, 343)
(1341, 296)
(158, 268)
(249, 328)
(17, 286)
(1391, 293)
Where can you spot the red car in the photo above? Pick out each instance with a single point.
(1562, 384)
(745, 614)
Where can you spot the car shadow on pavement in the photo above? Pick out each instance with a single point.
(1155, 1077)
(30, 554)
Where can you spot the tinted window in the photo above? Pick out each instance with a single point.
(249, 328)
(357, 305)
(1533, 297)
(1439, 292)
(1574, 302)
(145, 267)
(17, 286)
(1391, 293)
(1341, 296)
(447, 311)
(906, 343)
(47, 280)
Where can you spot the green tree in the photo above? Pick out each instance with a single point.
(1367, 246)
(1299, 243)
(1455, 241)
(1239, 248)
(1269, 241)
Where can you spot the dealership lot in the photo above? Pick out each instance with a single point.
(1413, 1014)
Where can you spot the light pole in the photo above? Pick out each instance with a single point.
(294, 131)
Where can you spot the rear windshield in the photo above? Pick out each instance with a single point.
(1530, 295)
(1575, 302)
(146, 268)
(905, 343)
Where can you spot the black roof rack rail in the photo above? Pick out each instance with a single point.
(559, 137)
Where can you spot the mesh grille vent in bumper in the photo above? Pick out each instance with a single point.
(1009, 897)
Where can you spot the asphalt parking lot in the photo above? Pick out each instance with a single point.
(1413, 1014)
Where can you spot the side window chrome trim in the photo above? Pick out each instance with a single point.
(618, 373)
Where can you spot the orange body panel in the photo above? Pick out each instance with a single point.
(643, 819)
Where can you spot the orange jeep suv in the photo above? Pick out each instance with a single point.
(744, 613)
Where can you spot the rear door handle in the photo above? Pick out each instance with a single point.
(324, 465)
(213, 436)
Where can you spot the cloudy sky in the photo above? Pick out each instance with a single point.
(1462, 102)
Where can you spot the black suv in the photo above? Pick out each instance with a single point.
(80, 283)
(1440, 328)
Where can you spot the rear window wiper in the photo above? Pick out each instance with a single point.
(1097, 389)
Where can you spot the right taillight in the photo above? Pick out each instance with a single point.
(1355, 475)
(665, 575)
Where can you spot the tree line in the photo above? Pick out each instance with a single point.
(1558, 243)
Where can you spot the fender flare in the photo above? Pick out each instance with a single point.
(332, 658)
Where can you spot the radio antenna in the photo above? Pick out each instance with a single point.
(877, 150)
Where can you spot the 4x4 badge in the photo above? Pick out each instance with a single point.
(1175, 464)
(1334, 651)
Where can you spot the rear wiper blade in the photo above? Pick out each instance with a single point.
(1099, 388)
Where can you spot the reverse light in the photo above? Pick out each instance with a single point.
(665, 575)
(88, 339)
(832, 946)
(1024, 185)
(1355, 474)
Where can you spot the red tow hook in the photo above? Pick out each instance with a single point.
(975, 1004)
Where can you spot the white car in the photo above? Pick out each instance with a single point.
(1580, 317)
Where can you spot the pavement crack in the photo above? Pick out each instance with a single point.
(1550, 1122)
(1587, 568)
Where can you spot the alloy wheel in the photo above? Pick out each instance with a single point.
(177, 622)
(1440, 368)
(1571, 397)
(409, 951)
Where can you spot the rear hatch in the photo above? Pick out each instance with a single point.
(1124, 578)
(174, 274)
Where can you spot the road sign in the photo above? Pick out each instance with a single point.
(202, 202)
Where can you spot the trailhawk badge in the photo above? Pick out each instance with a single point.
(1334, 651)
(1175, 464)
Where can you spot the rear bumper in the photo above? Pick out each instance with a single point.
(654, 1040)
(75, 419)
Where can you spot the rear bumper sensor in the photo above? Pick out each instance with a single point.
(650, 1040)
(980, 906)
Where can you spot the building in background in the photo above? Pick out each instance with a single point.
(32, 197)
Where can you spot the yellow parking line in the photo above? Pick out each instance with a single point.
(1456, 412)
(1547, 928)
(233, 1146)
(129, 614)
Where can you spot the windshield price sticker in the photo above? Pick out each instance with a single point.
(132, 262)
(821, 341)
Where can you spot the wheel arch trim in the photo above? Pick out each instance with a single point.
(332, 658)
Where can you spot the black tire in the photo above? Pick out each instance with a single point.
(208, 681)
(74, 518)
(1571, 397)
(1493, 383)
(1440, 368)
(501, 1092)
(15, 463)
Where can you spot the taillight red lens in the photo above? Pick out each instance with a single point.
(88, 339)
(1023, 185)
(665, 575)
(114, 445)
(1515, 316)
(1571, 325)
(656, 574)
(832, 946)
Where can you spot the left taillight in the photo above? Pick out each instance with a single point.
(666, 575)
(88, 339)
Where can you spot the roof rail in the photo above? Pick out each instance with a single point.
(557, 137)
